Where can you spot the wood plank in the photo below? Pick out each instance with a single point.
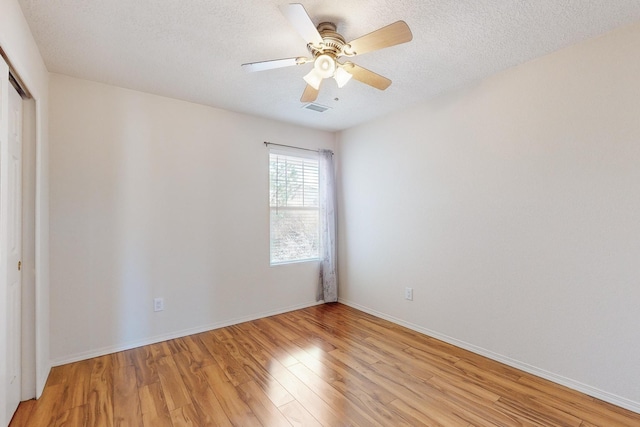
(185, 416)
(585, 407)
(257, 372)
(230, 366)
(457, 405)
(271, 326)
(160, 350)
(76, 384)
(123, 358)
(298, 416)
(48, 407)
(153, 406)
(221, 334)
(469, 390)
(355, 387)
(200, 355)
(57, 375)
(423, 418)
(345, 408)
(537, 407)
(329, 339)
(306, 337)
(126, 402)
(230, 400)
(100, 400)
(175, 392)
(210, 411)
(262, 406)
(536, 413)
(145, 364)
(74, 417)
(312, 402)
(207, 407)
(177, 345)
(21, 417)
(368, 402)
(265, 338)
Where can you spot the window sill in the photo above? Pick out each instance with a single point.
(300, 261)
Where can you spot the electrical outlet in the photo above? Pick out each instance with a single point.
(158, 304)
(408, 294)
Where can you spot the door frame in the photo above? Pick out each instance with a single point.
(34, 338)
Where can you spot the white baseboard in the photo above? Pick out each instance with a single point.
(558, 379)
(172, 335)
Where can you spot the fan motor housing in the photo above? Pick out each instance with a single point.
(333, 44)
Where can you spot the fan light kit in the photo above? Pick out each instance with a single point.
(327, 46)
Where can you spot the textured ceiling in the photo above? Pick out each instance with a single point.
(192, 50)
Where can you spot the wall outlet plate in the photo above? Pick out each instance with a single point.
(408, 294)
(158, 304)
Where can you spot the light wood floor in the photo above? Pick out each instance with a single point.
(328, 365)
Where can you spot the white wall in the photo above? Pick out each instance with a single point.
(150, 197)
(17, 42)
(513, 209)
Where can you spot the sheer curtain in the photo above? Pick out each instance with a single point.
(328, 287)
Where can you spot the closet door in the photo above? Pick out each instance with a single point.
(10, 243)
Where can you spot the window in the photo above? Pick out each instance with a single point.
(294, 205)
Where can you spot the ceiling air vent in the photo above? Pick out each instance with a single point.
(316, 107)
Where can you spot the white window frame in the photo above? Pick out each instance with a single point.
(274, 208)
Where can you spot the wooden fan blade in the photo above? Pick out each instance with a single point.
(299, 18)
(276, 63)
(309, 94)
(367, 77)
(391, 35)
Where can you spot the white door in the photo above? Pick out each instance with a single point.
(11, 238)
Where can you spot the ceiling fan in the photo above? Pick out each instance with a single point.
(326, 47)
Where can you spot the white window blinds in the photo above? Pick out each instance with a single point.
(294, 205)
